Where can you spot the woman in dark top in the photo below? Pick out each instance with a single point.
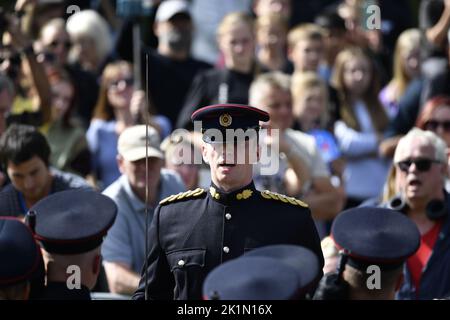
(231, 84)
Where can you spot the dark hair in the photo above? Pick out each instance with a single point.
(20, 143)
(330, 19)
(60, 76)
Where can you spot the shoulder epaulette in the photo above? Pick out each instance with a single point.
(182, 195)
(266, 194)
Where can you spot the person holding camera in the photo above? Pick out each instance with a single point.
(32, 93)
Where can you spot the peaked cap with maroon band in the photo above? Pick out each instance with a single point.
(19, 252)
(370, 235)
(224, 117)
(303, 260)
(251, 278)
(73, 221)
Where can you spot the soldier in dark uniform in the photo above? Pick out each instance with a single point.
(70, 226)
(195, 231)
(374, 244)
(20, 259)
(286, 272)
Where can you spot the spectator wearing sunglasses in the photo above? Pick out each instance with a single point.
(421, 168)
(435, 117)
(119, 106)
(55, 43)
(111, 116)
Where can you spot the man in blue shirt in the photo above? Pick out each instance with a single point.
(24, 155)
(124, 247)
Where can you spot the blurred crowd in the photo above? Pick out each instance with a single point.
(361, 102)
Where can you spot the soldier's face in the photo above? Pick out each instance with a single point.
(231, 165)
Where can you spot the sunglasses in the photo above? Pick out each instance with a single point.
(422, 165)
(46, 57)
(433, 125)
(127, 82)
(55, 43)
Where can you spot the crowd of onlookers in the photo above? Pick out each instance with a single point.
(343, 95)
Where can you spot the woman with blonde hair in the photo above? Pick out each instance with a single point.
(361, 125)
(311, 113)
(406, 68)
(236, 39)
(310, 101)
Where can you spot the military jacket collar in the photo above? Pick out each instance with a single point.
(229, 198)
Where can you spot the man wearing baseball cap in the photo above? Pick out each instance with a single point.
(171, 67)
(169, 8)
(124, 246)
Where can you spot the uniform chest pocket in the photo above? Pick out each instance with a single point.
(184, 258)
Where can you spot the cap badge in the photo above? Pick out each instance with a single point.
(225, 120)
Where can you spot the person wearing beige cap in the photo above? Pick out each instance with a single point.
(123, 248)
